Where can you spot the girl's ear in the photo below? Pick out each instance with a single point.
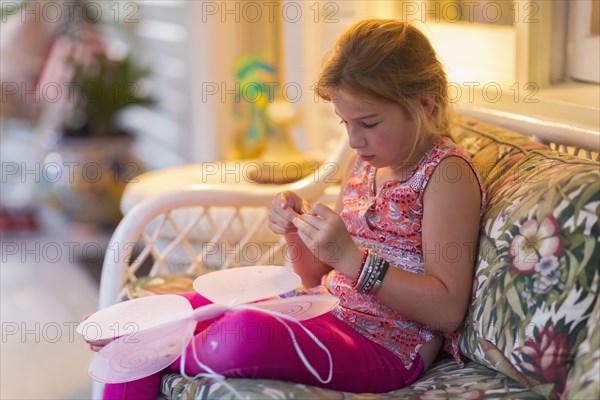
(428, 103)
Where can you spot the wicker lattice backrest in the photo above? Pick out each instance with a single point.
(196, 240)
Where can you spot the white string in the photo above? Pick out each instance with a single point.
(211, 374)
(280, 317)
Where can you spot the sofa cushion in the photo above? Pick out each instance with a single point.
(584, 380)
(536, 279)
(494, 150)
(444, 380)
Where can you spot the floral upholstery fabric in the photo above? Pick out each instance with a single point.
(536, 281)
(532, 325)
(444, 380)
(494, 150)
(583, 382)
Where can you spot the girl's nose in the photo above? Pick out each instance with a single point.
(355, 139)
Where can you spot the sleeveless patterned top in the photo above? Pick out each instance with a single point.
(389, 224)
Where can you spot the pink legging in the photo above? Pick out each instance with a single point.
(251, 344)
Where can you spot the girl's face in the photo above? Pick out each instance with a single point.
(380, 132)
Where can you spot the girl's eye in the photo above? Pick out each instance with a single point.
(364, 125)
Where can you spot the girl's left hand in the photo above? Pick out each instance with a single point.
(96, 345)
(325, 234)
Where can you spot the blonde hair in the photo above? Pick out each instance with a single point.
(390, 61)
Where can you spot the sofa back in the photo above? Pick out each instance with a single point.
(536, 278)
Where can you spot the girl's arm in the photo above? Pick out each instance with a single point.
(450, 229)
(304, 262)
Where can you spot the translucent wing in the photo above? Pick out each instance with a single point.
(246, 285)
(153, 331)
(134, 316)
(141, 354)
(301, 307)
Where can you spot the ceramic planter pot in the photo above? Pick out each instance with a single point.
(86, 177)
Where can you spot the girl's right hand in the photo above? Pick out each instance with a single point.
(96, 345)
(285, 208)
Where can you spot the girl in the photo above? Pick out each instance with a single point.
(398, 250)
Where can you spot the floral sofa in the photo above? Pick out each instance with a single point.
(532, 329)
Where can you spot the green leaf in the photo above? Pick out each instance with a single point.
(588, 250)
(530, 203)
(487, 248)
(544, 389)
(583, 277)
(545, 205)
(497, 271)
(569, 261)
(575, 238)
(105, 89)
(591, 191)
(515, 302)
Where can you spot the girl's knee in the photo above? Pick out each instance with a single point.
(236, 341)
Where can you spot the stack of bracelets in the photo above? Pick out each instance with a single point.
(371, 273)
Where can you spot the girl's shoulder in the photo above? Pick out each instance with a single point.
(450, 163)
(441, 151)
(445, 147)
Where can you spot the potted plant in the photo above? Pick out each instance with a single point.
(93, 153)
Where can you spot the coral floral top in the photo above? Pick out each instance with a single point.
(389, 224)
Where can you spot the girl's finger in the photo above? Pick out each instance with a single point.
(281, 230)
(95, 348)
(282, 201)
(286, 200)
(305, 230)
(305, 238)
(305, 208)
(291, 201)
(323, 211)
(285, 210)
(315, 221)
(281, 223)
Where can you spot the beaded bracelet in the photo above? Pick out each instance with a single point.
(370, 281)
(372, 274)
(362, 267)
(370, 270)
(380, 277)
(367, 271)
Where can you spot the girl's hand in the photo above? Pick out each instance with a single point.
(99, 344)
(96, 345)
(285, 208)
(325, 234)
